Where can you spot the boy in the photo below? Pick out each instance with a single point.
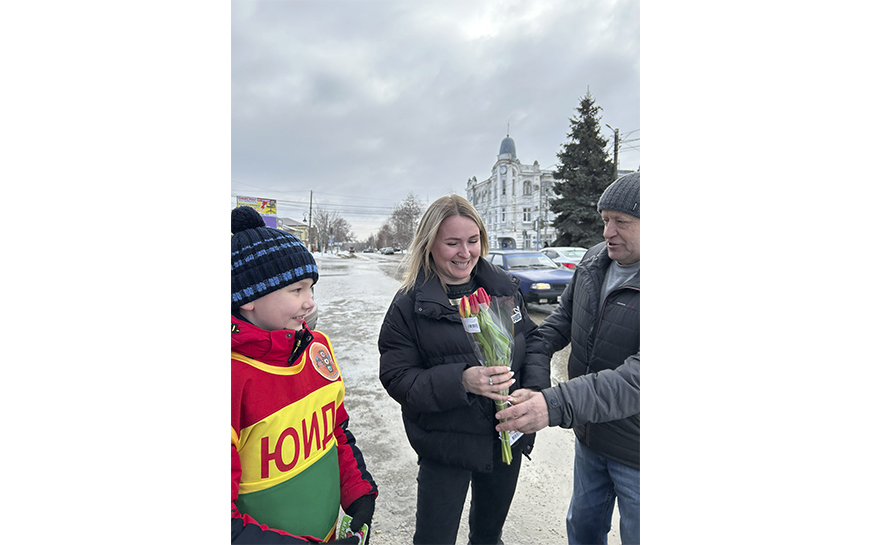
(293, 459)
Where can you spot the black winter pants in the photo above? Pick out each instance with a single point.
(442, 493)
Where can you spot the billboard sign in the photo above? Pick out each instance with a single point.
(265, 207)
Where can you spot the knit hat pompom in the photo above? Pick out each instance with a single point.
(262, 259)
(245, 217)
(622, 195)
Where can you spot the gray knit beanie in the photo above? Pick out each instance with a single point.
(263, 260)
(622, 195)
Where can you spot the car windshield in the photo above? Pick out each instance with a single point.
(574, 253)
(529, 261)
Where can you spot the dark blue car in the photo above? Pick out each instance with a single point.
(542, 280)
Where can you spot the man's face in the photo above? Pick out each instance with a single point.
(621, 232)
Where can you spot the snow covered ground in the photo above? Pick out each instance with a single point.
(353, 294)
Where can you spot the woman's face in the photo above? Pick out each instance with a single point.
(456, 249)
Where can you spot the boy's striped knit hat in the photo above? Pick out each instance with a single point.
(263, 260)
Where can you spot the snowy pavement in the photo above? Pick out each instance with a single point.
(353, 294)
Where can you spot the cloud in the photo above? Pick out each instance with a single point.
(362, 102)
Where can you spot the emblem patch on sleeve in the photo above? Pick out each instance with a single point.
(324, 364)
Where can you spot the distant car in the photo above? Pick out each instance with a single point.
(542, 280)
(368, 251)
(387, 250)
(567, 256)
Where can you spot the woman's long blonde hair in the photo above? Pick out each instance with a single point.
(418, 256)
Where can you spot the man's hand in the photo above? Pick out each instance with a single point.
(528, 413)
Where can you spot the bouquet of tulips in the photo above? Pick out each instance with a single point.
(491, 330)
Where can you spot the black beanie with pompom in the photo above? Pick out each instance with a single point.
(262, 259)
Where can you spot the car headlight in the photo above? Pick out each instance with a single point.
(540, 286)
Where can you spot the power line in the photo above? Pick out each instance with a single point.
(273, 190)
(344, 210)
(286, 202)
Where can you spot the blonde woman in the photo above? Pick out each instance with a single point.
(428, 366)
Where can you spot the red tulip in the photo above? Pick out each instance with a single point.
(483, 298)
(463, 307)
(473, 305)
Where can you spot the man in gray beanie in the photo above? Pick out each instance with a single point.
(599, 314)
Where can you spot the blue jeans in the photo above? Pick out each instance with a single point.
(597, 482)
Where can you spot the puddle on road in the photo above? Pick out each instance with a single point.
(394, 270)
(333, 268)
(390, 266)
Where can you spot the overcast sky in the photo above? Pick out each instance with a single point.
(363, 102)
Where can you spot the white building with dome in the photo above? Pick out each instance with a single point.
(514, 202)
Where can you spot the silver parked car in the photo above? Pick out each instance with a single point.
(568, 256)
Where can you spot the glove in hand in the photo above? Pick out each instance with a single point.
(361, 511)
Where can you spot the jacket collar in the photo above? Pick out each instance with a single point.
(272, 347)
(432, 300)
(598, 261)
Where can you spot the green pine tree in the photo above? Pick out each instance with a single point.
(585, 170)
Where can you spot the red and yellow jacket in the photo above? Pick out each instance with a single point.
(293, 460)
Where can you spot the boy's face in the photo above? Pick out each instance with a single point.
(284, 308)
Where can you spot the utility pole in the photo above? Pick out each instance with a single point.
(616, 154)
(616, 150)
(537, 223)
(310, 220)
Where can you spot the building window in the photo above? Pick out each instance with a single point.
(528, 214)
(503, 215)
(528, 187)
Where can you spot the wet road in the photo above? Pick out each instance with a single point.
(353, 294)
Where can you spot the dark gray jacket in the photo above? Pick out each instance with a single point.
(424, 351)
(600, 402)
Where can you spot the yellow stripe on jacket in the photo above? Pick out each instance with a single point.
(285, 443)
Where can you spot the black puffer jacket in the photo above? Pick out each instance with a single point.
(424, 351)
(601, 399)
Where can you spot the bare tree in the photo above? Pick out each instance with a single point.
(404, 220)
(327, 226)
(385, 235)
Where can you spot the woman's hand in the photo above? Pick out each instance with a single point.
(488, 381)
